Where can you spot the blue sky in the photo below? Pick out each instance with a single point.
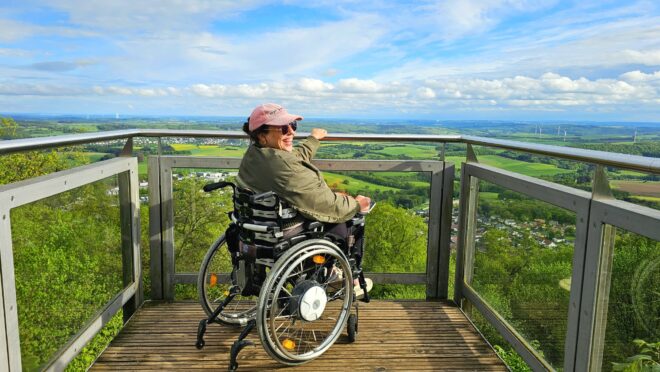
(470, 59)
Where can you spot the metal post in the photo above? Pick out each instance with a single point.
(445, 230)
(433, 243)
(470, 227)
(167, 224)
(155, 230)
(597, 280)
(10, 345)
(466, 222)
(130, 237)
(126, 239)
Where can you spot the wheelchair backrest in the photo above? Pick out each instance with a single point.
(263, 217)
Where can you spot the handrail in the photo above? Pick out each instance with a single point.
(632, 162)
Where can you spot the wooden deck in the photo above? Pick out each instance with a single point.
(393, 335)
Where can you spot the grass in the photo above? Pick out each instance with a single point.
(648, 198)
(353, 186)
(209, 150)
(415, 151)
(528, 169)
(488, 195)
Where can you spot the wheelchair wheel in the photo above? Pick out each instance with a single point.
(213, 290)
(302, 307)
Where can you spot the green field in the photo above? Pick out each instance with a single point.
(210, 150)
(522, 167)
(335, 181)
(93, 156)
(488, 195)
(415, 151)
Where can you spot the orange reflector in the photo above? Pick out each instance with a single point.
(318, 259)
(213, 281)
(289, 344)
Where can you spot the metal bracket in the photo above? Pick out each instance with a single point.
(128, 148)
(471, 155)
(601, 185)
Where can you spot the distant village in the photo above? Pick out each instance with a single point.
(208, 176)
(547, 233)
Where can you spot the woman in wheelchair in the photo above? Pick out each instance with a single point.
(295, 245)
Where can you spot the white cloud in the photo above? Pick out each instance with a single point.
(14, 89)
(636, 76)
(209, 91)
(143, 92)
(314, 85)
(425, 92)
(354, 85)
(12, 30)
(647, 57)
(549, 91)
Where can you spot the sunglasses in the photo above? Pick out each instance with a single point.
(285, 128)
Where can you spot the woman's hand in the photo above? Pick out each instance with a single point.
(319, 133)
(364, 202)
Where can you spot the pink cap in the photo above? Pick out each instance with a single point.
(271, 114)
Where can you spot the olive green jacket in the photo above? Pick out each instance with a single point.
(293, 177)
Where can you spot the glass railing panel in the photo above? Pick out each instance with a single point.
(68, 265)
(635, 187)
(396, 234)
(562, 171)
(225, 147)
(199, 219)
(379, 150)
(633, 311)
(523, 264)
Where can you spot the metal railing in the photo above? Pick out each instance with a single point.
(596, 214)
(130, 298)
(161, 219)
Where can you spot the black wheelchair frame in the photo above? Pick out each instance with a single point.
(299, 274)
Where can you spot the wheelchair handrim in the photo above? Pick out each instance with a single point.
(279, 274)
(236, 318)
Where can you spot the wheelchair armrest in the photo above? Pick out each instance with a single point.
(218, 185)
(262, 227)
(358, 219)
(313, 225)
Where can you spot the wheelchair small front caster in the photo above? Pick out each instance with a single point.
(351, 327)
(201, 329)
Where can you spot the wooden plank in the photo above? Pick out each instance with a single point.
(394, 335)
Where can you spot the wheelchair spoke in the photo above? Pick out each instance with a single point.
(286, 335)
(302, 332)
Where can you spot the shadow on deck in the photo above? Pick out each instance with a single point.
(393, 335)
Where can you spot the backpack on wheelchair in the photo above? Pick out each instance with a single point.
(288, 277)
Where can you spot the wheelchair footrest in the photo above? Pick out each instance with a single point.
(240, 344)
(363, 285)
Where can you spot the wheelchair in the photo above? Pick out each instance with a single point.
(288, 278)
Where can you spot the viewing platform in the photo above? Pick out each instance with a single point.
(559, 284)
(393, 336)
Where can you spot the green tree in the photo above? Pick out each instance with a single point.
(395, 240)
(199, 219)
(8, 128)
